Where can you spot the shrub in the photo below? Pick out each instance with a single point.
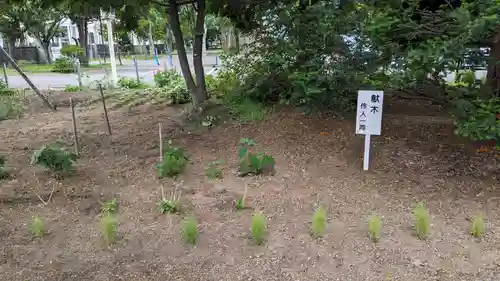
(246, 110)
(165, 78)
(129, 83)
(37, 227)
(477, 119)
(55, 158)
(258, 228)
(109, 207)
(374, 227)
(477, 227)
(10, 105)
(318, 222)
(71, 88)
(213, 171)
(108, 228)
(71, 51)
(250, 163)
(172, 87)
(63, 65)
(189, 230)
(3, 172)
(421, 221)
(173, 163)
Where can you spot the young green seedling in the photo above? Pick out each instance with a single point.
(258, 228)
(374, 227)
(37, 227)
(240, 202)
(318, 222)
(108, 228)
(421, 221)
(189, 230)
(477, 227)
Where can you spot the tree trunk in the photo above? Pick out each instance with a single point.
(493, 74)
(150, 39)
(10, 46)
(81, 25)
(46, 52)
(199, 31)
(173, 17)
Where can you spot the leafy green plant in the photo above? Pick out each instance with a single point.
(55, 158)
(374, 227)
(129, 83)
(171, 87)
(169, 204)
(37, 227)
(71, 88)
(3, 172)
(109, 228)
(10, 105)
(71, 51)
(477, 119)
(189, 230)
(246, 110)
(63, 65)
(318, 222)
(258, 228)
(421, 219)
(213, 171)
(110, 206)
(477, 227)
(173, 163)
(165, 78)
(250, 163)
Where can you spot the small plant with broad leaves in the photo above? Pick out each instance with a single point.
(213, 171)
(374, 227)
(108, 228)
(37, 227)
(55, 158)
(4, 174)
(173, 163)
(189, 230)
(478, 119)
(110, 206)
(258, 228)
(318, 223)
(477, 227)
(169, 204)
(252, 163)
(421, 219)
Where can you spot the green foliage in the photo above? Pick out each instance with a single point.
(129, 83)
(246, 110)
(223, 85)
(318, 222)
(37, 227)
(258, 228)
(110, 206)
(172, 86)
(63, 65)
(71, 51)
(253, 163)
(170, 205)
(374, 227)
(468, 78)
(477, 227)
(71, 88)
(109, 226)
(421, 219)
(10, 104)
(173, 163)
(477, 119)
(4, 174)
(213, 171)
(55, 158)
(189, 230)
(240, 203)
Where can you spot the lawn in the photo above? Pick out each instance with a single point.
(46, 68)
(318, 163)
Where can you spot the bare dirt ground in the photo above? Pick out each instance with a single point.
(318, 162)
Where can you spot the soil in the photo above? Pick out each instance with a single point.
(318, 162)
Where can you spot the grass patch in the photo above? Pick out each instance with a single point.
(258, 228)
(245, 110)
(47, 68)
(189, 230)
(37, 227)
(421, 219)
(10, 106)
(108, 228)
(477, 226)
(374, 227)
(318, 223)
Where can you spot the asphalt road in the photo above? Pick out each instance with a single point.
(146, 70)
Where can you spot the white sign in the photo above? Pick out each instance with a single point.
(369, 112)
(369, 119)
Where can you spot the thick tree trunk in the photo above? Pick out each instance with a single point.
(493, 74)
(11, 46)
(81, 25)
(173, 17)
(150, 39)
(46, 52)
(199, 31)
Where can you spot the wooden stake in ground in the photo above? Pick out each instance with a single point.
(79, 73)
(161, 141)
(5, 74)
(21, 72)
(105, 109)
(77, 145)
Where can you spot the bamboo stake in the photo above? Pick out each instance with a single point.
(161, 141)
(105, 109)
(77, 145)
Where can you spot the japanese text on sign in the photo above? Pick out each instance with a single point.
(369, 112)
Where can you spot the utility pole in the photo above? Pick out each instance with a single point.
(110, 17)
